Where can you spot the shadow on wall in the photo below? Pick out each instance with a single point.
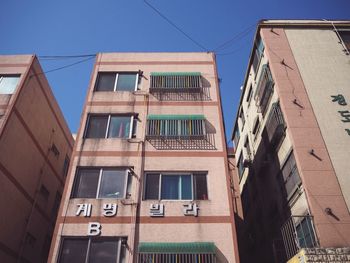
(220, 257)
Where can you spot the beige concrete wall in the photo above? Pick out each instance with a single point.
(324, 68)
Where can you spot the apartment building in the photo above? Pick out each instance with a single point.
(149, 178)
(292, 138)
(35, 149)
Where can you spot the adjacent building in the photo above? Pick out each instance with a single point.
(292, 138)
(35, 149)
(149, 179)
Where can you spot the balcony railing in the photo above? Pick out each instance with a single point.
(298, 232)
(264, 89)
(175, 132)
(275, 125)
(178, 86)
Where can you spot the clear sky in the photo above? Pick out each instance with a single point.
(75, 27)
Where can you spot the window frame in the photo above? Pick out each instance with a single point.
(192, 174)
(117, 239)
(291, 173)
(132, 131)
(2, 76)
(127, 182)
(240, 166)
(116, 76)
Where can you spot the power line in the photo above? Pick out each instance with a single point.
(174, 25)
(233, 51)
(57, 57)
(65, 66)
(236, 37)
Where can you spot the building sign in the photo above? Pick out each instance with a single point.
(110, 210)
(156, 210)
(345, 114)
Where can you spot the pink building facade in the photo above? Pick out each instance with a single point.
(292, 137)
(149, 178)
(35, 149)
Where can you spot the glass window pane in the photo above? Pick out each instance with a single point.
(112, 184)
(186, 187)
(119, 127)
(86, 183)
(152, 186)
(8, 84)
(200, 186)
(73, 250)
(103, 251)
(105, 82)
(97, 127)
(170, 187)
(126, 82)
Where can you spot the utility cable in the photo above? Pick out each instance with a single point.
(236, 37)
(175, 26)
(63, 67)
(65, 56)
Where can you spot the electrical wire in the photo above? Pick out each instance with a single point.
(61, 57)
(63, 67)
(175, 26)
(233, 51)
(235, 38)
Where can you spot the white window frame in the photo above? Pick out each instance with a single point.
(128, 181)
(116, 80)
(180, 190)
(132, 118)
(2, 76)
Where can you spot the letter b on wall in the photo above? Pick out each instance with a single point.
(94, 229)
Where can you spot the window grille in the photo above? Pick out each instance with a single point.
(264, 89)
(179, 132)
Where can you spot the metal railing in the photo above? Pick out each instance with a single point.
(264, 89)
(298, 232)
(169, 134)
(173, 87)
(275, 125)
(172, 258)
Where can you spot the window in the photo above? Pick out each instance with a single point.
(345, 36)
(250, 94)
(240, 166)
(8, 83)
(171, 186)
(111, 126)
(290, 175)
(236, 135)
(241, 116)
(176, 80)
(256, 128)
(305, 233)
(176, 125)
(111, 81)
(102, 183)
(55, 151)
(258, 53)
(92, 250)
(264, 89)
(65, 166)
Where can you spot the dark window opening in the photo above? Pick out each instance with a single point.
(191, 186)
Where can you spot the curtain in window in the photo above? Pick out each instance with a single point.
(119, 127)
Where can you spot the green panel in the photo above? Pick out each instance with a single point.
(178, 248)
(175, 117)
(175, 74)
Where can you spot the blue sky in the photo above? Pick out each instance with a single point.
(87, 27)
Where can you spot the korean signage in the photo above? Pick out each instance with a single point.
(111, 209)
(344, 113)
